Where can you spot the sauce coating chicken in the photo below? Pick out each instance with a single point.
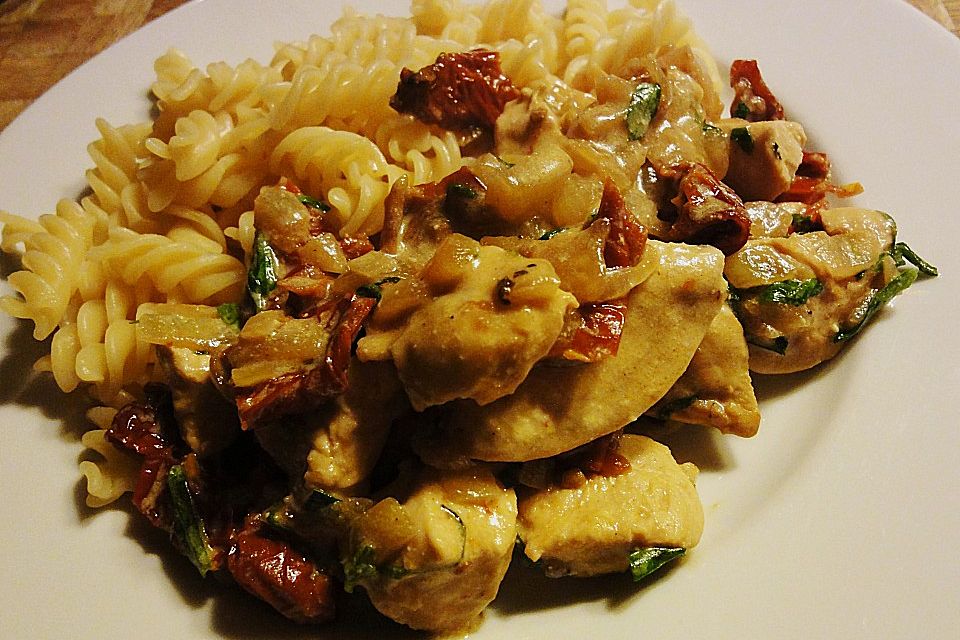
(591, 529)
(434, 558)
(558, 408)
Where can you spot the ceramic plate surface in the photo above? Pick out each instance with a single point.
(838, 520)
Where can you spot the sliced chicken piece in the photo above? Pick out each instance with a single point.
(558, 408)
(592, 529)
(764, 157)
(833, 273)
(716, 390)
(433, 557)
(492, 315)
(208, 423)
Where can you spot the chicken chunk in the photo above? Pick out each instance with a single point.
(592, 529)
(716, 389)
(492, 316)
(207, 422)
(840, 267)
(334, 447)
(434, 557)
(559, 408)
(764, 157)
(347, 444)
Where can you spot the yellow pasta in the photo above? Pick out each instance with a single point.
(113, 472)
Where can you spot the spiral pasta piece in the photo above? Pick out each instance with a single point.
(51, 260)
(112, 472)
(178, 270)
(348, 168)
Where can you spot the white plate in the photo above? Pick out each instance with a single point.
(838, 520)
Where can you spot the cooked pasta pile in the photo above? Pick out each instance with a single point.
(596, 168)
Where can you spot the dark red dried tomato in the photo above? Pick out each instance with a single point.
(753, 100)
(595, 334)
(301, 390)
(708, 211)
(149, 429)
(459, 91)
(281, 576)
(811, 184)
(627, 239)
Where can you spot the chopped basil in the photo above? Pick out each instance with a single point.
(777, 345)
(741, 111)
(646, 560)
(552, 232)
(375, 289)
(319, 500)
(901, 254)
(803, 223)
(673, 406)
(313, 203)
(792, 292)
(642, 108)
(359, 567)
(460, 190)
(776, 151)
(229, 312)
(711, 129)
(362, 565)
(188, 526)
(741, 135)
(881, 297)
(262, 275)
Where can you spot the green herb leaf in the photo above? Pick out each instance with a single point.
(313, 203)
(229, 312)
(319, 500)
(710, 129)
(777, 345)
(359, 567)
(792, 292)
(647, 560)
(552, 232)
(741, 111)
(188, 526)
(881, 297)
(642, 108)
(262, 275)
(803, 223)
(741, 135)
(375, 289)
(902, 254)
(462, 191)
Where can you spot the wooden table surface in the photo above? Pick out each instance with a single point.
(41, 41)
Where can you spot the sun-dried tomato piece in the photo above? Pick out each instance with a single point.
(708, 212)
(281, 576)
(812, 183)
(301, 390)
(753, 100)
(149, 429)
(627, 239)
(598, 458)
(459, 91)
(594, 333)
